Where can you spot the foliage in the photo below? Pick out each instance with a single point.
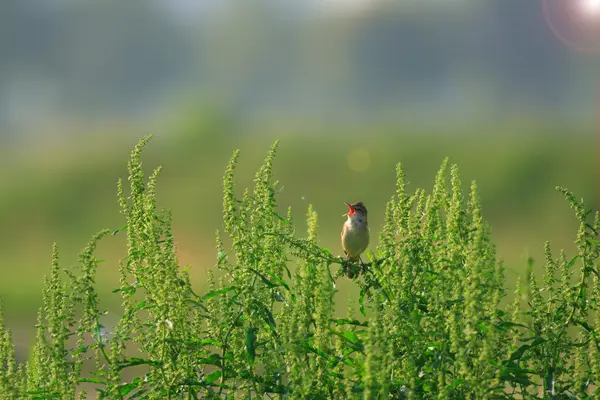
(434, 321)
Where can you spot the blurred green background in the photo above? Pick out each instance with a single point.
(349, 87)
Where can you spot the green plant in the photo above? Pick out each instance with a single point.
(431, 320)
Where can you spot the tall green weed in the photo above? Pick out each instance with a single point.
(433, 319)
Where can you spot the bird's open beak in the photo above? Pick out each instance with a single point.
(351, 210)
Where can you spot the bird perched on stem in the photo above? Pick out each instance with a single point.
(355, 234)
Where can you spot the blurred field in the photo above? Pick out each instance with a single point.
(67, 192)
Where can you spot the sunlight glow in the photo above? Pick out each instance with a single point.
(590, 8)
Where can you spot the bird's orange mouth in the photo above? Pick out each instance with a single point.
(351, 211)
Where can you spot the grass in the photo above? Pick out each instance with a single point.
(433, 318)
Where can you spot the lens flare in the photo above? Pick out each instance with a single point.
(590, 8)
(576, 23)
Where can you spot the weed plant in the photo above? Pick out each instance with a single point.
(432, 320)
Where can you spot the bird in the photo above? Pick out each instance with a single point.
(355, 233)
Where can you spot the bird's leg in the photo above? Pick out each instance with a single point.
(346, 264)
(363, 265)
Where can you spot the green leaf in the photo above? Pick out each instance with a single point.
(504, 325)
(582, 344)
(518, 354)
(572, 262)
(137, 361)
(115, 232)
(198, 304)
(130, 387)
(482, 327)
(250, 344)
(267, 282)
(334, 362)
(141, 305)
(560, 312)
(515, 374)
(314, 350)
(92, 380)
(265, 313)
(280, 282)
(287, 270)
(456, 383)
(213, 359)
(281, 218)
(351, 336)
(212, 377)
(361, 299)
(345, 321)
(80, 349)
(586, 326)
(128, 290)
(99, 373)
(138, 394)
(214, 293)
(269, 317)
(208, 342)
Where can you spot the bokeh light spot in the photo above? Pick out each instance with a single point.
(359, 159)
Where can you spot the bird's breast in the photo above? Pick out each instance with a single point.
(355, 238)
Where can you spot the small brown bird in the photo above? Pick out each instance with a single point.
(355, 233)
